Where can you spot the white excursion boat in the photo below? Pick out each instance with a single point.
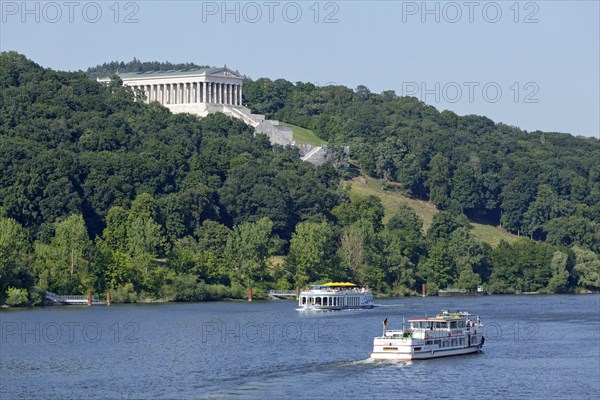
(446, 334)
(335, 296)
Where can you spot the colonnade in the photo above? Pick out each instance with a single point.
(192, 92)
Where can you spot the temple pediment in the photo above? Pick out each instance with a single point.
(224, 73)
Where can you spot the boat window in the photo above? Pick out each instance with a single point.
(303, 300)
(453, 324)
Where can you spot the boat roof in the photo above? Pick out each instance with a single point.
(444, 316)
(339, 284)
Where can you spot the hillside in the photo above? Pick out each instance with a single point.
(101, 192)
(304, 136)
(529, 183)
(425, 211)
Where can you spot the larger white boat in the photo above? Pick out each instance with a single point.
(335, 296)
(446, 334)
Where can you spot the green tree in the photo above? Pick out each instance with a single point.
(438, 269)
(65, 264)
(444, 223)
(15, 252)
(248, 247)
(367, 208)
(312, 252)
(546, 206)
(398, 258)
(438, 181)
(115, 233)
(587, 269)
(16, 297)
(353, 251)
(406, 219)
(560, 274)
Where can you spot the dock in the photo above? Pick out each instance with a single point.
(80, 300)
(282, 294)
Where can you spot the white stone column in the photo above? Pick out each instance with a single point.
(229, 94)
(241, 103)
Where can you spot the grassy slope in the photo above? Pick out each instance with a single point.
(425, 210)
(304, 136)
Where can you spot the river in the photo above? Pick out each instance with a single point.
(541, 347)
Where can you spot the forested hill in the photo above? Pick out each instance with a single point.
(541, 184)
(99, 192)
(135, 65)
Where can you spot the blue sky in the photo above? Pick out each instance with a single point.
(534, 65)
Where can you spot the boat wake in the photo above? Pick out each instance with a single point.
(372, 361)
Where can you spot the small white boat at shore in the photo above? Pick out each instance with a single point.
(446, 334)
(335, 296)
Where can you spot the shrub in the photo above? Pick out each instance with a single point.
(124, 294)
(16, 297)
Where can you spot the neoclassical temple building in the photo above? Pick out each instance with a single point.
(206, 91)
(183, 91)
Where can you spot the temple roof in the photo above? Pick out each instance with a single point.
(221, 71)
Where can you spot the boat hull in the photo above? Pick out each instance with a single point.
(424, 355)
(333, 308)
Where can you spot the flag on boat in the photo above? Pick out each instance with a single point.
(385, 323)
